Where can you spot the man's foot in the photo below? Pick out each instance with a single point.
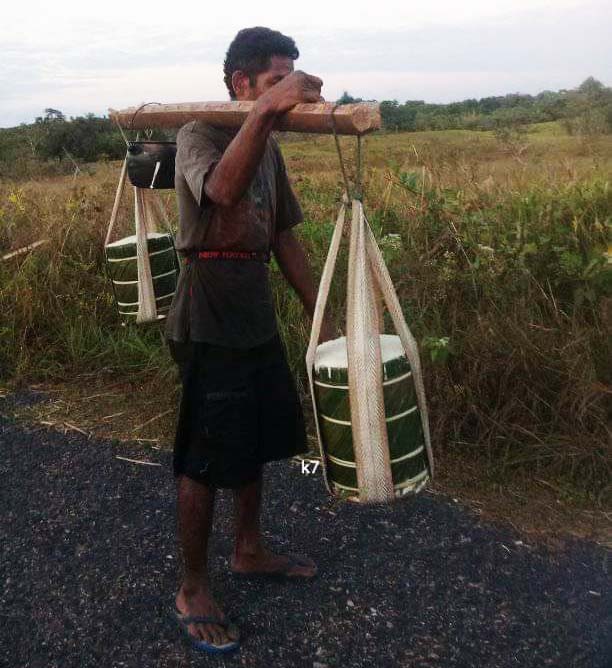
(199, 603)
(260, 561)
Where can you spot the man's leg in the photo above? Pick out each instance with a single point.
(195, 515)
(250, 555)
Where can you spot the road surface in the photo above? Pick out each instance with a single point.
(88, 572)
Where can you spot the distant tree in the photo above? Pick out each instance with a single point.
(487, 105)
(398, 116)
(85, 137)
(54, 137)
(591, 87)
(51, 116)
(345, 98)
(551, 105)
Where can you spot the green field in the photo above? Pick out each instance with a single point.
(501, 265)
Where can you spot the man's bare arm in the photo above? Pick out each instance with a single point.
(293, 262)
(230, 178)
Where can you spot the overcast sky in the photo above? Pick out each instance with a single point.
(81, 56)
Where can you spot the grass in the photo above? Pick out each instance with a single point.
(500, 265)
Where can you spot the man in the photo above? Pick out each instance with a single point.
(239, 405)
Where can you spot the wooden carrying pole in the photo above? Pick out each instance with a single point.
(350, 119)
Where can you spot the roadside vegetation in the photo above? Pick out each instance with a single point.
(499, 250)
(494, 217)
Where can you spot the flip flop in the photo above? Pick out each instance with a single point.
(294, 561)
(198, 643)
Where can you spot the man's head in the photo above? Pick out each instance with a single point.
(257, 59)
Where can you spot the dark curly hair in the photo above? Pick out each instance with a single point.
(251, 50)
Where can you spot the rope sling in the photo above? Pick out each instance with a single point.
(369, 287)
(144, 268)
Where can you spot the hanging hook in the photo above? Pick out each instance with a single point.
(339, 150)
(356, 193)
(148, 132)
(140, 108)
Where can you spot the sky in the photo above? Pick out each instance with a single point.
(80, 56)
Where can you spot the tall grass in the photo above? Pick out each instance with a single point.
(498, 254)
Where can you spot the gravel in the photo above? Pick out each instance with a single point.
(89, 569)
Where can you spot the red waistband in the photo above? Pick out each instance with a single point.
(227, 255)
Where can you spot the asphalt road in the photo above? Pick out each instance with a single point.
(88, 572)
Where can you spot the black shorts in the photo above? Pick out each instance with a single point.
(239, 409)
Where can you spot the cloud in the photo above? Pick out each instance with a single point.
(39, 21)
(77, 61)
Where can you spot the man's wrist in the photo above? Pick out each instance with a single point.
(264, 109)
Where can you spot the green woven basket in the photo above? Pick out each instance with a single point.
(409, 467)
(122, 267)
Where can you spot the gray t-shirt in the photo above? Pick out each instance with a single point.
(218, 301)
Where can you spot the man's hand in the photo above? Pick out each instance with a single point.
(296, 88)
(228, 181)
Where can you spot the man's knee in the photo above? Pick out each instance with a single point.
(189, 488)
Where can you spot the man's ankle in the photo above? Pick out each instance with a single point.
(247, 546)
(194, 584)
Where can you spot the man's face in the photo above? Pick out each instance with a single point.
(280, 67)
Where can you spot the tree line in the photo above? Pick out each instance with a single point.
(586, 109)
(53, 138)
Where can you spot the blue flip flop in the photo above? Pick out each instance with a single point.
(197, 643)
